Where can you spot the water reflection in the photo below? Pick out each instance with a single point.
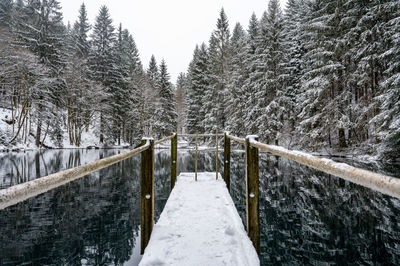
(306, 217)
(93, 221)
(19, 167)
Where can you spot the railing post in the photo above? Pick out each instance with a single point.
(252, 193)
(147, 194)
(227, 161)
(174, 157)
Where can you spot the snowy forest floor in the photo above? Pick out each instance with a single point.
(89, 138)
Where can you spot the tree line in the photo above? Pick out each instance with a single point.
(58, 78)
(322, 74)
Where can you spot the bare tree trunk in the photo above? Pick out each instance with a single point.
(342, 138)
(39, 124)
(38, 132)
(101, 128)
(45, 133)
(37, 164)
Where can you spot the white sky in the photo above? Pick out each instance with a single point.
(169, 29)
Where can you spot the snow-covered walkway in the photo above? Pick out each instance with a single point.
(199, 226)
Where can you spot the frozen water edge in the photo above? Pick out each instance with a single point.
(199, 226)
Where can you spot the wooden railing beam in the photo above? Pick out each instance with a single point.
(15, 194)
(240, 140)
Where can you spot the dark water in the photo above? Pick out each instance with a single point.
(307, 217)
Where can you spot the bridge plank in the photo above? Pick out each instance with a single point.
(199, 226)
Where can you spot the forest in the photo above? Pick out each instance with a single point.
(59, 79)
(323, 76)
(315, 75)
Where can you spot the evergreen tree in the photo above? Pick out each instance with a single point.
(248, 89)
(152, 71)
(82, 93)
(166, 122)
(130, 59)
(6, 8)
(122, 89)
(40, 29)
(181, 89)
(219, 71)
(324, 98)
(388, 120)
(82, 28)
(236, 100)
(272, 100)
(293, 65)
(103, 68)
(197, 88)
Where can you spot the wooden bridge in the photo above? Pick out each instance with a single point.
(200, 221)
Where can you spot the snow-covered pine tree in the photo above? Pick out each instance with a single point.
(219, 71)
(271, 97)
(323, 115)
(368, 45)
(166, 114)
(181, 89)
(82, 93)
(196, 91)
(388, 120)
(210, 99)
(134, 69)
(353, 12)
(256, 81)
(191, 115)
(103, 69)
(293, 45)
(152, 71)
(82, 28)
(151, 96)
(122, 100)
(41, 30)
(6, 8)
(251, 74)
(236, 101)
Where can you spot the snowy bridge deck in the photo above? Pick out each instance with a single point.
(199, 226)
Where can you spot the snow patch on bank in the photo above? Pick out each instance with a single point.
(89, 138)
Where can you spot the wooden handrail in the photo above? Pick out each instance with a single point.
(200, 135)
(13, 195)
(385, 184)
(240, 140)
(164, 139)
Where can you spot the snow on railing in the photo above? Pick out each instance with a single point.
(164, 139)
(385, 184)
(13, 195)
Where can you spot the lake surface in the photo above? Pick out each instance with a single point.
(307, 217)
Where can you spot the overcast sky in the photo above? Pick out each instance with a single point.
(169, 29)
